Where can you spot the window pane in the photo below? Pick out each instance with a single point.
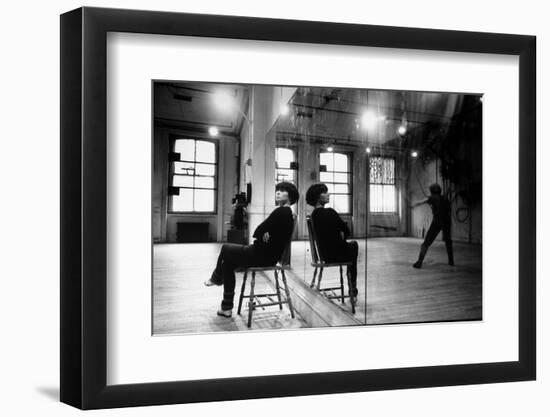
(182, 181)
(184, 168)
(206, 151)
(342, 178)
(326, 177)
(204, 200)
(285, 175)
(204, 182)
(184, 201)
(284, 157)
(340, 162)
(196, 177)
(185, 147)
(382, 198)
(327, 159)
(203, 169)
(341, 203)
(330, 187)
(341, 188)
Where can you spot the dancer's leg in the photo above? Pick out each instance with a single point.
(433, 231)
(448, 243)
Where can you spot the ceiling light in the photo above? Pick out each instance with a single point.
(330, 149)
(368, 150)
(368, 119)
(414, 154)
(213, 131)
(402, 130)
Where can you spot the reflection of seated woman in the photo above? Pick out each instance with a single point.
(271, 238)
(331, 232)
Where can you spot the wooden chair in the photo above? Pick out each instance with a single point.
(319, 264)
(254, 300)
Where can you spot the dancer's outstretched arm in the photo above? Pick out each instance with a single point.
(418, 203)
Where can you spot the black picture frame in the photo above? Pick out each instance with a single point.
(83, 207)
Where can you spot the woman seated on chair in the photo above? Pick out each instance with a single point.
(331, 232)
(271, 239)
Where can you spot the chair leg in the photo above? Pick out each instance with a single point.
(251, 299)
(242, 292)
(319, 278)
(278, 289)
(351, 293)
(287, 295)
(314, 276)
(341, 284)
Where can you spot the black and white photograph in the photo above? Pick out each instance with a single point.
(294, 207)
(244, 208)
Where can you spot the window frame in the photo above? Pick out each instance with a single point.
(171, 174)
(348, 155)
(296, 156)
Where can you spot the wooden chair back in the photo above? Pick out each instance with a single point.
(313, 241)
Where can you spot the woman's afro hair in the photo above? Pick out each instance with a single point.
(291, 189)
(313, 193)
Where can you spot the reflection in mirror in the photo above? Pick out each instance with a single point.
(304, 207)
(425, 212)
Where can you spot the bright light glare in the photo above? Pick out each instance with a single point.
(402, 130)
(368, 120)
(330, 149)
(414, 154)
(224, 101)
(368, 150)
(382, 198)
(213, 131)
(284, 110)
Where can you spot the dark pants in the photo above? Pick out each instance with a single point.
(231, 257)
(347, 253)
(433, 231)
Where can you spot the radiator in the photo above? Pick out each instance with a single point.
(192, 232)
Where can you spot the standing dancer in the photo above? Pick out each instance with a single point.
(441, 209)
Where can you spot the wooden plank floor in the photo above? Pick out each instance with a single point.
(182, 304)
(397, 293)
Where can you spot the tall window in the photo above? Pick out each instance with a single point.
(285, 159)
(193, 176)
(382, 185)
(336, 174)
